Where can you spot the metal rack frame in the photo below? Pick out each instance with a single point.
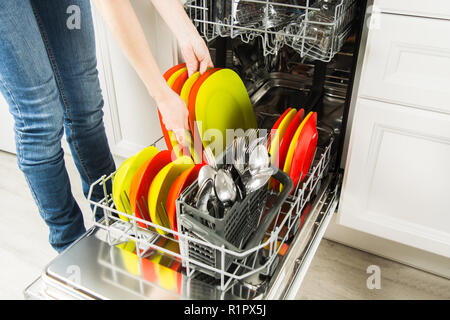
(297, 32)
(146, 240)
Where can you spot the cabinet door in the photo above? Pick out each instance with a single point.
(407, 61)
(6, 128)
(435, 8)
(397, 176)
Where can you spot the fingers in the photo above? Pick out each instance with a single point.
(179, 134)
(191, 61)
(205, 64)
(186, 124)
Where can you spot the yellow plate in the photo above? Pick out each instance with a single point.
(275, 143)
(188, 86)
(118, 181)
(122, 180)
(160, 187)
(184, 94)
(175, 76)
(290, 153)
(223, 103)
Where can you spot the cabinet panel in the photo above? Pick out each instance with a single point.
(398, 176)
(430, 8)
(407, 61)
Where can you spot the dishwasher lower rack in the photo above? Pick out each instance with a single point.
(260, 259)
(316, 29)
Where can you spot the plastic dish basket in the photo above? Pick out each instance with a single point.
(228, 239)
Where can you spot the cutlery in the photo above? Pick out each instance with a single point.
(225, 187)
(259, 159)
(206, 172)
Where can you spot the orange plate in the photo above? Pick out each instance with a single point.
(179, 82)
(304, 150)
(139, 199)
(142, 214)
(166, 76)
(286, 141)
(182, 182)
(191, 105)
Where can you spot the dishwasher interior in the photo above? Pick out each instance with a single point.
(277, 76)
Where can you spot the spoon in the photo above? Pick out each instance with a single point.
(239, 154)
(259, 160)
(225, 187)
(255, 182)
(206, 172)
(204, 194)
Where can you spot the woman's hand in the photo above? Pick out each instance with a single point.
(174, 114)
(195, 54)
(193, 47)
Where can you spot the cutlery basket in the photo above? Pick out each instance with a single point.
(239, 230)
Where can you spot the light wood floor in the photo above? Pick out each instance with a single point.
(337, 271)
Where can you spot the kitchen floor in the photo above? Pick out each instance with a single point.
(337, 271)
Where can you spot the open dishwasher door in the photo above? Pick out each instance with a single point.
(93, 269)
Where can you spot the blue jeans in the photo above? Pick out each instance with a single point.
(48, 75)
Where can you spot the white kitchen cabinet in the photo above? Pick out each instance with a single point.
(408, 62)
(397, 178)
(431, 8)
(394, 199)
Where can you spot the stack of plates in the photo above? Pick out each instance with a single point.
(147, 185)
(292, 144)
(217, 101)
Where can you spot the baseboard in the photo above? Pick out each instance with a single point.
(423, 260)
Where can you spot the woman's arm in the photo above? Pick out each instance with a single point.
(121, 19)
(193, 48)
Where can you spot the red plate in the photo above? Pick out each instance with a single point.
(133, 191)
(182, 182)
(304, 214)
(304, 150)
(151, 170)
(286, 142)
(191, 106)
(172, 70)
(275, 127)
(166, 76)
(179, 82)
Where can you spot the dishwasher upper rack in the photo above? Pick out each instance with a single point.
(316, 29)
(245, 264)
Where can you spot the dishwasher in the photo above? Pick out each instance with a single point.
(292, 53)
